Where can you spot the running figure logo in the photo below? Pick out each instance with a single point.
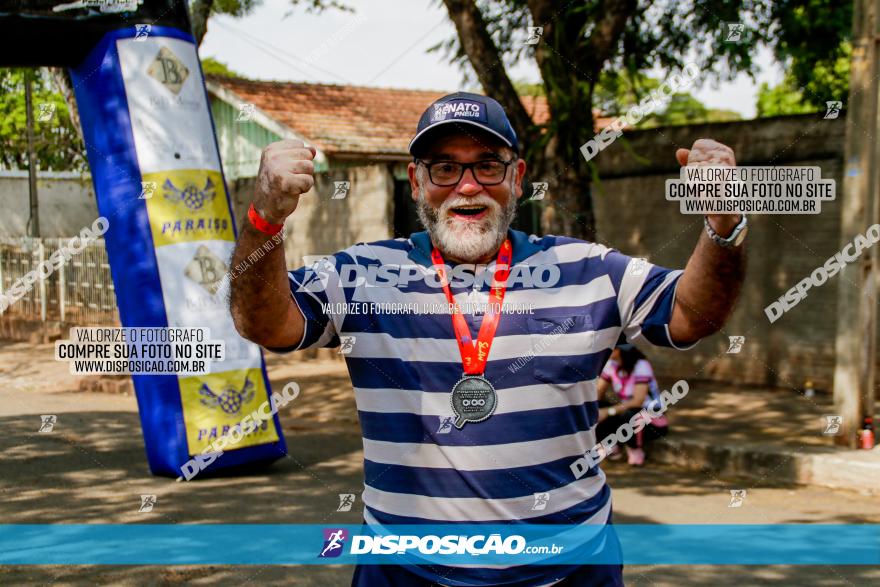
(541, 501)
(147, 189)
(832, 109)
(47, 423)
(534, 37)
(334, 540)
(734, 32)
(445, 425)
(346, 344)
(246, 112)
(737, 497)
(341, 189)
(142, 31)
(47, 111)
(638, 266)
(147, 503)
(736, 344)
(346, 500)
(539, 189)
(316, 273)
(833, 422)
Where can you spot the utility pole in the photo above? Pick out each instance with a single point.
(856, 343)
(33, 227)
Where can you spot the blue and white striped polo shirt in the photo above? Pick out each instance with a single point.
(544, 366)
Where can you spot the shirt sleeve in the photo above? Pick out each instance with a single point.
(645, 298)
(318, 293)
(643, 372)
(607, 371)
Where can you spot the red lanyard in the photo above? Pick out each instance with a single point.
(475, 353)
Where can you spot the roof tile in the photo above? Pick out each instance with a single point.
(348, 119)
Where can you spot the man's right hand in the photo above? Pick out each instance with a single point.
(286, 172)
(262, 308)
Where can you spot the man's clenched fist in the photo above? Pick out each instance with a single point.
(709, 153)
(286, 172)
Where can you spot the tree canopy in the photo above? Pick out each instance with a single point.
(56, 141)
(579, 42)
(211, 66)
(592, 55)
(829, 81)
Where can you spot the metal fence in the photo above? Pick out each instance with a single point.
(79, 292)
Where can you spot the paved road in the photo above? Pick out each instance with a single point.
(92, 469)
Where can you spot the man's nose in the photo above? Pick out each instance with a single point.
(468, 184)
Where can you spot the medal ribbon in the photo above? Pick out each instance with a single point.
(474, 353)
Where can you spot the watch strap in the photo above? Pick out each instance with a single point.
(734, 240)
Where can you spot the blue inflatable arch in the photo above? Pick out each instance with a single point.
(156, 169)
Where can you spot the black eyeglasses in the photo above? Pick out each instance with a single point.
(448, 173)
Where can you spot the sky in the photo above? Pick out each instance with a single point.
(384, 43)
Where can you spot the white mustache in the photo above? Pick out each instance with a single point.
(470, 201)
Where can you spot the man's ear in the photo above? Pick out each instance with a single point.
(520, 170)
(413, 182)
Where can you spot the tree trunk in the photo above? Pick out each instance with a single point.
(570, 61)
(563, 57)
(201, 10)
(486, 60)
(570, 212)
(61, 79)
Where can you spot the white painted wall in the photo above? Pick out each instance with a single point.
(66, 203)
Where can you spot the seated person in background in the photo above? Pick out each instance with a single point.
(627, 385)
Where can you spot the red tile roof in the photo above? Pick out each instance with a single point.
(348, 119)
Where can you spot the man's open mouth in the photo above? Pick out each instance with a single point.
(469, 212)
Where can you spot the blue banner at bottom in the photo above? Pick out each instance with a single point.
(453, 544)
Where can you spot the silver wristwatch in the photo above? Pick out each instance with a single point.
(735, 239)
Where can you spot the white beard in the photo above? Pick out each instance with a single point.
(467, 241)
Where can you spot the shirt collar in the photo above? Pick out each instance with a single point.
(523, 248)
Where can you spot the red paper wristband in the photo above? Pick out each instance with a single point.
(262, 225)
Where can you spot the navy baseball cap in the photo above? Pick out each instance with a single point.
(482, 112)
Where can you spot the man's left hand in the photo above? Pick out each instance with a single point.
(712, 279)
(709, 153)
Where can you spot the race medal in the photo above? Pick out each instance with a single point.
(473, 399)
